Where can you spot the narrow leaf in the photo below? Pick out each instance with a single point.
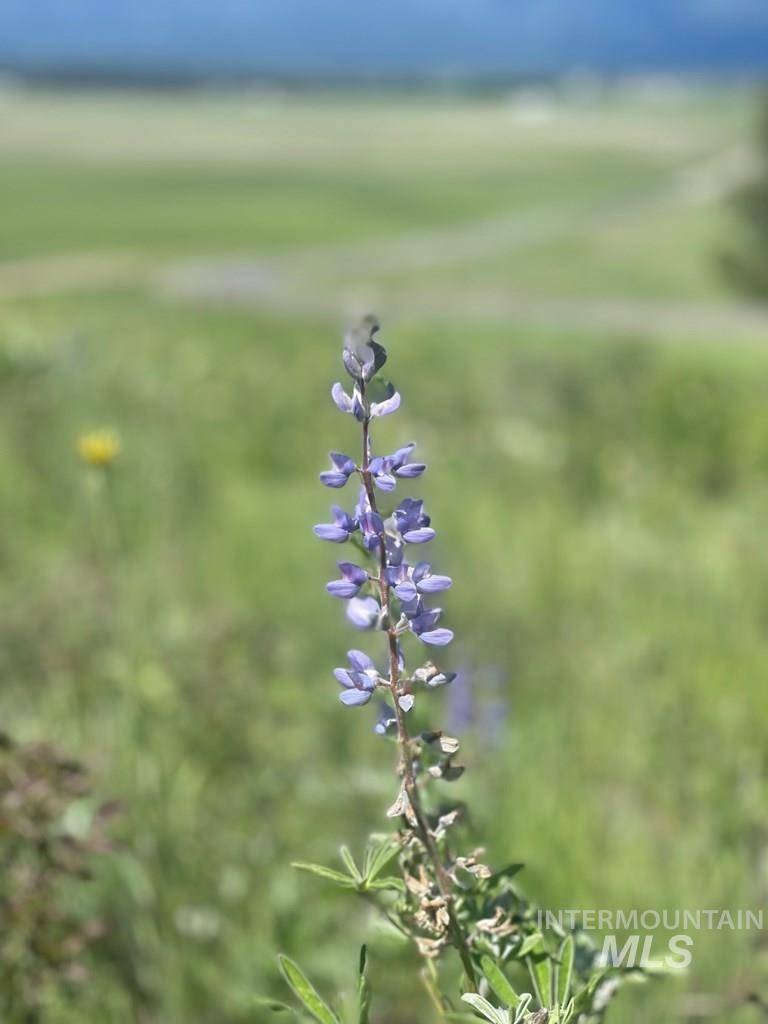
(529, 944)
(390, 882)
(363, 988)
(483, 1006)
(349, 863)
(328, 873)
(305, 991)
(498, 982)
(564, 970)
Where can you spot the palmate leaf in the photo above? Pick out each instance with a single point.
(305, 992)
(498, 982)
(378, 856)
(345, 881)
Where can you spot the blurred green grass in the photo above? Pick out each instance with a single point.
(598, 497)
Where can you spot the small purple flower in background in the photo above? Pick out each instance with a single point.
(352, 578)
(343, 468)
(339, 530)
(385, 721)
(364, 612)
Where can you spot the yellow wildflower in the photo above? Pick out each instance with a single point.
(98, 448)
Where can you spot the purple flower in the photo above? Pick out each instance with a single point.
(352, 578)
(428, 583)
(346, 403)
(371, 523)
(339, 530)
(388, 405)
(343, 468)
(364, 612)
(411, 521)
(358, 681)
(385, 720)
(385, 468)
(410, 581)
(422, 625)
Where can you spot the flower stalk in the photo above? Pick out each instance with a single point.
(394, 584)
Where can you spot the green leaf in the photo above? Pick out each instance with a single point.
(273, 1004)
(483, 1006)
(529, 944)
(349, 863)
(498, 982)
(377, 857)
(564, 970)
(328, 873)
(397, 884)
(363, 988)
(540, 970)
(305, 991)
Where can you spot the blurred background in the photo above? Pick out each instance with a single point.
(560, 212)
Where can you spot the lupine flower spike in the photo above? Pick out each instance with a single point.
(441, 899)
(389, 595)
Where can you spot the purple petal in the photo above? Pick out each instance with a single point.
(433, 584)
(385, 482)
(358, 409)
(355, 698)
(360, 661)
(411, 470)
(328, 531)
(426, 620)
(343, 677)
(419, 536)
(436, 637)
(406, 591)
(341, 398)
(342, 462)
(389, 405)
(331, 478)
(342, 588)
(363, 612)
(407, 701)
(363, 681)
(401, 455)
(353, 573)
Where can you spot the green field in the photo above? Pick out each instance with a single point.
(592, 402)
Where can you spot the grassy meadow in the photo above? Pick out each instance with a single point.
(593, 405)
